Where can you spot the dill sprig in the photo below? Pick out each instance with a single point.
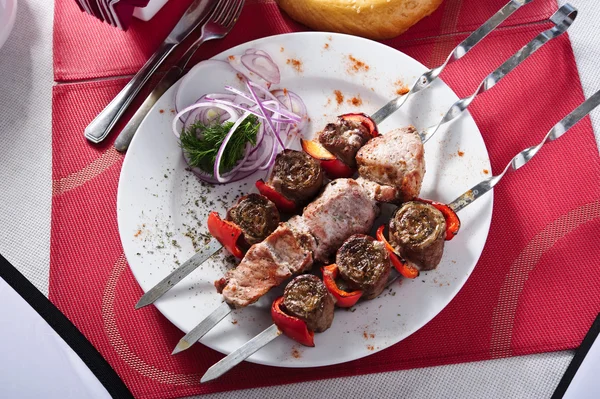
(202, 142)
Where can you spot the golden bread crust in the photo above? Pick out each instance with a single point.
(375, 19)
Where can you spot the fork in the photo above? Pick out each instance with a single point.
(220, 23)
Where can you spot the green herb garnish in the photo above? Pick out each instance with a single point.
(202, 142)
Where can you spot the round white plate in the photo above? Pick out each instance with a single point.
(8, 13)
(161, 205)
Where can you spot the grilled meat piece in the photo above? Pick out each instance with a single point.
(417, 232)
(256, 216)
(296, 175)
(364, 264)
(307, 298)
(343, 208)
(394, 159)
(344, 138)
(379, 192)
(266, 265)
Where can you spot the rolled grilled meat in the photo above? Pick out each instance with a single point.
(307, 298)
(256, 216)
(296, 175)
(344, 138)
(395, 159)
(417, 232)
(364, 264)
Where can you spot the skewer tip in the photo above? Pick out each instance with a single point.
(208, 376)
(181, 346)
(141, 303)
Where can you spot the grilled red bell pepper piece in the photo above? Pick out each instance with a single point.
(334, 167)
(408, 271)
(281, 202)
(291, 326)
(344, 299)
(227, 233)
(365, 120)
(452, 220)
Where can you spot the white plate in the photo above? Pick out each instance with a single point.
(158, 199)
(8, 13)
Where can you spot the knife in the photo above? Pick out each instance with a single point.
(193, 17)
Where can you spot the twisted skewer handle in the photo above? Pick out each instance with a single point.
(459, 51)
(562, 19)
(525, 156)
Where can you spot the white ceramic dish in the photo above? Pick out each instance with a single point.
(158, 200)
(8, 13)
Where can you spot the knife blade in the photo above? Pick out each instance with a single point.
(176, 276)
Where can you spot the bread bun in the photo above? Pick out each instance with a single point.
(375, 19)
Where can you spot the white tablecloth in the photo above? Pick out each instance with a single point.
(25, 198)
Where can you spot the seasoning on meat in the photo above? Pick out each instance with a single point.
(395, 159)
(256, 216)
(417, 232)
(296, 175)
(344, 138)
(306, 298)
(266, 265)
(364, 264)
(343, 208)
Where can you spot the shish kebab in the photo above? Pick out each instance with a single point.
(421, 83)
(298, 315)
(391, 164)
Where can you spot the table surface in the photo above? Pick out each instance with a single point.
(25, 201)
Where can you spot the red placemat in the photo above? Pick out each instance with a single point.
(524, 296)
(85, 48)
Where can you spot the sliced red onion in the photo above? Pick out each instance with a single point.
(268, 105)
(264, 112)
(192, 107)
(262, 66)
(185, 81)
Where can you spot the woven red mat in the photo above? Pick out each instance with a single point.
(535, 288)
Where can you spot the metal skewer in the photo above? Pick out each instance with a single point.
(260, 340)
(459, 51)
(562, 19)
(422, 82)
(272, 332)
(178, 274)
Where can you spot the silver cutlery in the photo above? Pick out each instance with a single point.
(272, 332)
(219, 24)
(459, 51)
(195, 15)
(562, 19)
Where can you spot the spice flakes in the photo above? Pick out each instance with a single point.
(294, 63)
(401, 87)
(355, 101)
(339, 97)
(357, 65)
